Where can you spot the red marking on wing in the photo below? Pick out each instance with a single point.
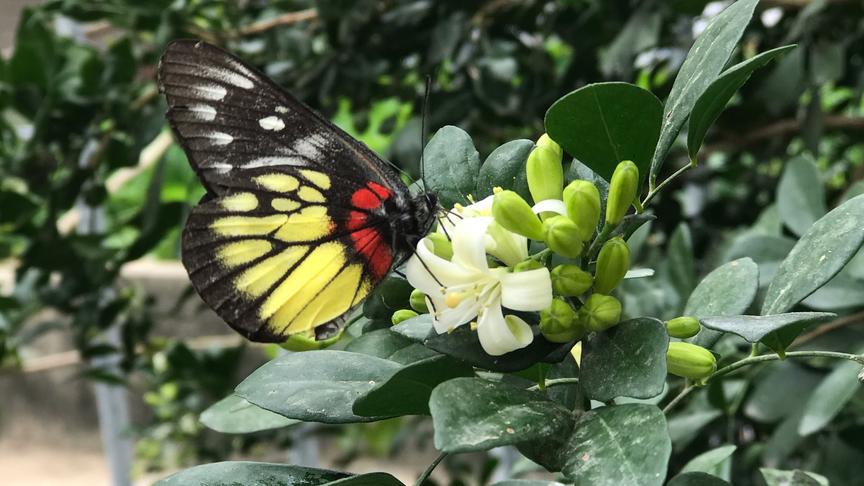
(380, 190)
(369, 243)
(369, 197)
(356, 220)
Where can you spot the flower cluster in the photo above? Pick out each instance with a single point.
(476, 269)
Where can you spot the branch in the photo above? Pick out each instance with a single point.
(857, 318)
(783, 128)
(286, 19)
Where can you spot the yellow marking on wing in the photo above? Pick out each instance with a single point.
(257, 280)
(247, 225)
(320, 179)
(362, 292)
(330, 303)
(310, 194)
(278, 182)
(241, 202)
(286, 205)
(240, 252)
(310, 276)
(309, 224)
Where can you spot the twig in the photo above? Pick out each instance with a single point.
(423, 477)
(681, 396)
(782, 128)
(286, 19)
(555, 382)
(653, 192)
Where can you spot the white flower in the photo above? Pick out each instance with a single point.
(508, 247)
(466, 288)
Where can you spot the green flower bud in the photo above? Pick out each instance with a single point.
(683, 327)
(562, 236)
(612, 264)
(623, 190)
(514, 214)
(529, 264)
(559, 322)
(570, 280)
(582, 200)
(546, 141)
(690, 361)
(402, 315)
(306, 341)
(600, 312)
(545, 173)
(418, 301)
(441, 245)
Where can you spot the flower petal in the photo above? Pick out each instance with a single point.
(447, 318)
(526, 291)
(508, 247)
(550, 206)
(499, 336)
(443, 272)
(469, 243)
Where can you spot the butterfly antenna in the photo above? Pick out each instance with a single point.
(424, 111)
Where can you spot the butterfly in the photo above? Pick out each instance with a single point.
(300, 221)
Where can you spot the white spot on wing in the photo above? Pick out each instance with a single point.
(210, 91)
(273, 161)
(230, 77)
(281, 109)
(203, 112)
(220, 138)
(307, 147)
(272, 123)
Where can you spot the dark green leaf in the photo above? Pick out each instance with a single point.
(696, 479)
(766, 250)
(472, 414)
(235, 415)
(369, 479)
(706, 59)
(628, 360)
(605, 123)
(841, 292)
(776, 331)
(764, 404)
(819, 255)
(800, 195)
(243, 472)
(391, 295)
(684, 427)
(384, 343)
(505, 167)
(776, 477)
(452, 165)
(527, 482)
(624, 444)
(727, 291)
(316, 386)
(713, 101)
(829, 397)
(680, 261)
(463, 344)
(407, 391)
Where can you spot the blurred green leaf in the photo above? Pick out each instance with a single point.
(242, 472)
(696, 479)
(727, 291)
(709, 461)
(368, 479)
(235, 415)
(682, 271)
(603, 124)
(800, 195)
(713, 101)
(830, 397)
(776, 477)
(628, 360)
(706, 59)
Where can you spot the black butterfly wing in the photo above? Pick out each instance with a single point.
(292, 233)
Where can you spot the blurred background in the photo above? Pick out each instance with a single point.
(107, 357)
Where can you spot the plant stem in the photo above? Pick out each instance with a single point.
(653, 192)
(598, 242)
(554, 382)
(763, 359)
(423, 477)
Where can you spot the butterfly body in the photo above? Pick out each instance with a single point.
(300, 221)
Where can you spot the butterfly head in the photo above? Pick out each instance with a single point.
(417, 221)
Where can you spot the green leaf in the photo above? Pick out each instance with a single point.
(604, 449)
(627, 360)
(527, 482)
(316, 386)
(841, 292)
(605, 123)
(819, 255)
(463, 344)
(766, 250)
(776, 331)
(472, 414)
(706, 59)
(452, 165)
(801, 195)
(369, 479)
(765, 405)
(391, 295)
(235, 415)
(696, 479)
(714, 100)
(684, 427)
(384, 343)
(710, 461)
(244, 472)
(680, 261)
(505, 167)
(407, 391)
(728, 290)
(829, 397)
(776, 477)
